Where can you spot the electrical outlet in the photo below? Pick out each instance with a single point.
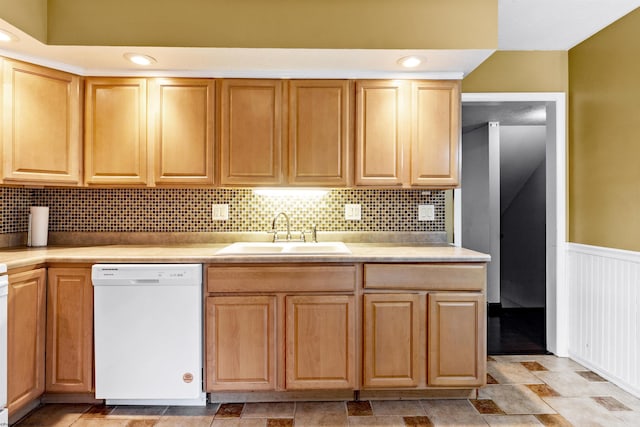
(352, 212)
(220, 212)
(426, 213)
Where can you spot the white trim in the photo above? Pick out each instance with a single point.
(601, 251)
(557, 293)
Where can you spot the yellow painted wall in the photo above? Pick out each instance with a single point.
(380, 24)
(520, 71)
(604, 155)
(28, 15)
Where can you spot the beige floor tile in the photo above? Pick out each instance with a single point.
(239, 422)
(610, 403)
(554, 363)
(386, 421)
(99, 422)
(452, 412)
(512, 420)
(321, 414)
(553, 420)
(608, 389)
(570, 384)
(137, 412)
(142, 422)
(583, 411)
(185, 421)
(269, 410)
(511, 373)
(515, 399)
(55, 416)
(403, 408)
(628, 418)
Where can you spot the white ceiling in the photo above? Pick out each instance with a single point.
(523, 25)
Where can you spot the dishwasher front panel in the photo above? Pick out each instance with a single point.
(148, 342)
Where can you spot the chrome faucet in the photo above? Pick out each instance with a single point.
(273, 226)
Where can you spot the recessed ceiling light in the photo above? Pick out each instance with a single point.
(410, 61)
(140, 59)
(6, 36)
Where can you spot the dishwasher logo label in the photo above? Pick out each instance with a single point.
(188, 377)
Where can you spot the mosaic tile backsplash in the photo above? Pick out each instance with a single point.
(189, 210)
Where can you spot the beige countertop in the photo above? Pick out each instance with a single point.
(206, 253)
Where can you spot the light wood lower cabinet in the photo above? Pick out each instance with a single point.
(25, 338)
(69, 356)
(240, 343)
(320, 342)
(392, 340)
(457, 340)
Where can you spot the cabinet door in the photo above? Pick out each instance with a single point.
(320, 342)
(240, 343)
(392, 348)
(41, 125)
(182, 130)
(25, 338)
(456, 343)
(69, 361)
(116, 131)
(319, 129)
(382, 133)
(251, 143)
(435, 133)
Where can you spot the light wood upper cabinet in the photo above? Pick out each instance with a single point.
(240, 343)
(251, 142)
(319, 132)
(69, 356)
(407, 133)
(116, 131)
(181, 130)
(393, 346)
(435, 133)
(41, 128)
(25, 338)
(382, 133)
(457, 340)
(320, 342)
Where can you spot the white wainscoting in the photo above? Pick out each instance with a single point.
(604, 312)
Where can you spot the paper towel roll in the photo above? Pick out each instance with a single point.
(39, 226)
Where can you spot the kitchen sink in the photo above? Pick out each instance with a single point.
(284, 248)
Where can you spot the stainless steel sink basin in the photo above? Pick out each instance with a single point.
(284, 248)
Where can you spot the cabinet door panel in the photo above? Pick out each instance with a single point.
(251, 132)
(392, 347)
(182, 130)
(116, 131)
(240, 343)
(25, 338)
(457, 348)
(435, 133)
(69, 359)
(320, 342)
(381, 132)
(319, 132)
(42, 141)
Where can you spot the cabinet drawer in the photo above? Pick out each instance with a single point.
(281, 278)
(435, 277)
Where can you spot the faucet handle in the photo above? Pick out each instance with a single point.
(274, 233)
(314, 233)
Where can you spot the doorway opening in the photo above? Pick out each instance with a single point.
(511, 205)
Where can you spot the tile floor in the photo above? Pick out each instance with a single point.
(520, 391)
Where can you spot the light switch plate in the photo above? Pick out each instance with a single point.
(352, 212)
(426, 213)
(220, 212)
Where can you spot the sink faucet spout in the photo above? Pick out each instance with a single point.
(273, 226)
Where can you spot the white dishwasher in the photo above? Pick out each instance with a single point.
(148, 334)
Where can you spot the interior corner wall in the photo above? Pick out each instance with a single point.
(28, 15)
(520, 71)
(604, 111)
